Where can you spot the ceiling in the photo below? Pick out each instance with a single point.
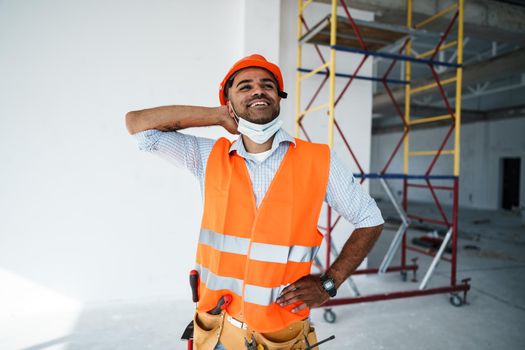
(513, 2)
(494, 77)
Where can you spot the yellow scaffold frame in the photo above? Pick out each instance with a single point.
(453, 117)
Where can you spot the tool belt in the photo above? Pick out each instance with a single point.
(233, 334)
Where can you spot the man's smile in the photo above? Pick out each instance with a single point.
(259, 103)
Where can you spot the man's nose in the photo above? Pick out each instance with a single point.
(258, 90)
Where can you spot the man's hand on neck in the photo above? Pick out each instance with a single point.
(254, 147)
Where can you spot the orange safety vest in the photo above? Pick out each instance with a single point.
(253, 253)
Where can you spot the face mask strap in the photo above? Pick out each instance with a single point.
(234, 113)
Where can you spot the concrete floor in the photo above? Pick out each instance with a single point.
(494, 317)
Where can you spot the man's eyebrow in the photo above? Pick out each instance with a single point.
(244, 81)
(268, 80)
(251, 80)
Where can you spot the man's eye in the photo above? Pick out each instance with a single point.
(269, 86)
(244, 87)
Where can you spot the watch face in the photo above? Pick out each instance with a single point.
(329, 284)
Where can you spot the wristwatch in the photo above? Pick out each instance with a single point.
(328, 285)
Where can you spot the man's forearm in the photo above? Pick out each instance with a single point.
(354, 251)
(169, 118)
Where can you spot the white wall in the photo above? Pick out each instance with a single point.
(483, 144)
(261, 28)
(85, 216)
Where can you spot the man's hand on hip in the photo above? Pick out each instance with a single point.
(307, 289)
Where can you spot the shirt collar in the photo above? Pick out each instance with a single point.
(280, 136)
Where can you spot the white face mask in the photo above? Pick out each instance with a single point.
(258, 133)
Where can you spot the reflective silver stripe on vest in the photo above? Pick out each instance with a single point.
(260, 251)
(282, 254)
(216, 282)
(261, 295)
(224, 243)
(253, 294)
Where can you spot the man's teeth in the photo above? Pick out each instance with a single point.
(259, 104)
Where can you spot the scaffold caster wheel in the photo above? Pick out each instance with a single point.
(403, 276)
(329, 316)
(456, 300)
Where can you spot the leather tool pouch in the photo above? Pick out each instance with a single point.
(207, 330)
(290, 338)
(210, 328)
(232, 337)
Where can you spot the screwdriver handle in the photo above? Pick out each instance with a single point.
(194, 283)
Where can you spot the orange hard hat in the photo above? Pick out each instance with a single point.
(254, 60)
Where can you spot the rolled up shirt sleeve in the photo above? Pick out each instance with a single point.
(347, 197)
(187, 151)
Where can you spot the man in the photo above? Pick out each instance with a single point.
(262, 199)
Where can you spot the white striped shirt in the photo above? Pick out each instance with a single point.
(343, 193)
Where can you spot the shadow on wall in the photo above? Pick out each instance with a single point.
(142, 325)
(36, 317)
(49, 343)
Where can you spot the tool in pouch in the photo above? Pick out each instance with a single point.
(222, 304)
(194, 284)
(252, 344)
(310, 347)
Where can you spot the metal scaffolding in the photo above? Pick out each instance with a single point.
(367, 39)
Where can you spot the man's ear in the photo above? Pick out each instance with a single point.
(230, 108)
